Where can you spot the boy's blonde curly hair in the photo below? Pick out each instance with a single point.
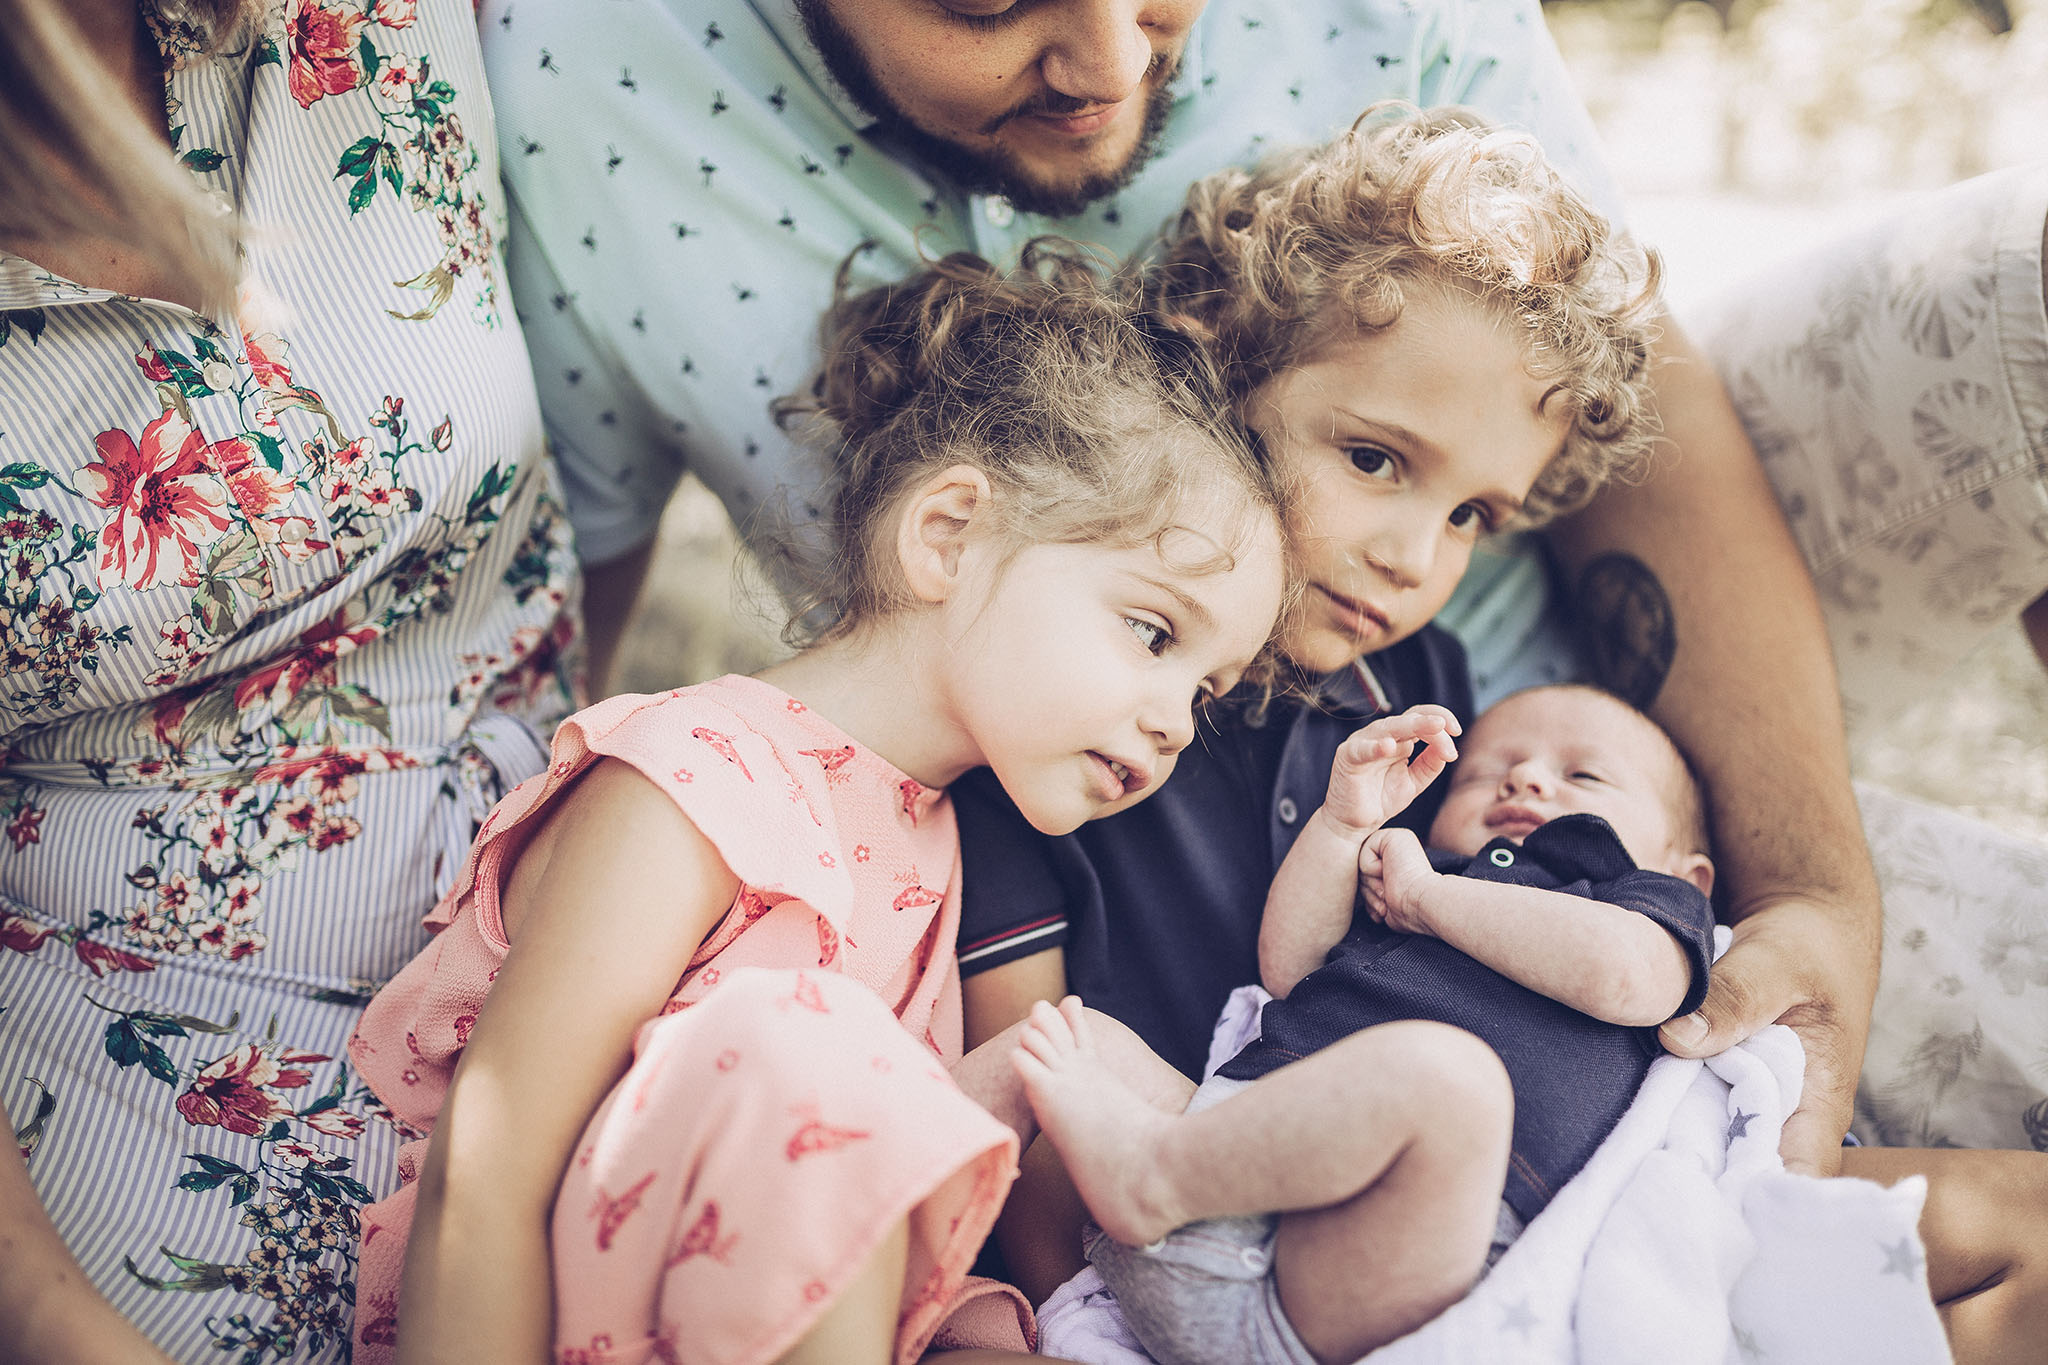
(1275, 263)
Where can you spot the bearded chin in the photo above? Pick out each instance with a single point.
(997, 172)
(968, 169)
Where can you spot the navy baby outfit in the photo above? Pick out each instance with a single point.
(1573, 1075)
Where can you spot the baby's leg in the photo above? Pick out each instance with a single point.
(1433, 1106)
(1394, 1139)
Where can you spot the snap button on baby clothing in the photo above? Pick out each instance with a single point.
(1154, 1248)
(1254, 1258)
(1287, 810)
(1503, 857)
(998, 211)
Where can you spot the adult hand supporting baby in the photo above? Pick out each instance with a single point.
(1812, 967)
(1683, 560)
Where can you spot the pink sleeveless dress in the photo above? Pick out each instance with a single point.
(789, 1106)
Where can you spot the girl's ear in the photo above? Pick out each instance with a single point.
(946, 513)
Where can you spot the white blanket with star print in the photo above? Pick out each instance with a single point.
(1684, 1241)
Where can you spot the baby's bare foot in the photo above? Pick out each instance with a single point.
(1109, 1138)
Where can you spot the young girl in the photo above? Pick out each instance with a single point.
(682, 1043)
(1435, 337)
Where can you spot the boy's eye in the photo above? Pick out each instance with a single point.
(1371, 461)
(1584, 775)
(1151, 634)
(1471, 516)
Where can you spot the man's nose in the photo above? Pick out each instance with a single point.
(1101, 56)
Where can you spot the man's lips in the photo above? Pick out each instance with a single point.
(1355, 616)
(1079, 124)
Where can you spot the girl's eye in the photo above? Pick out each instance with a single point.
(1151, 634)
(1471, 516)
(1371, 461)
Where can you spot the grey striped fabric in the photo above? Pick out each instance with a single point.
(282, 611)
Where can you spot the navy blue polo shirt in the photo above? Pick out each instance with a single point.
(1573, 1075)
(1158, 906)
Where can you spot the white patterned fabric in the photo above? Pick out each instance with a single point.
(1895, 383)
(283, 614)
(1958, 1053)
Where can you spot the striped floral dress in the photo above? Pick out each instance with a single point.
(281, 615)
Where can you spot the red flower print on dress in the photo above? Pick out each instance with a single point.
(611, 1214)
(335, 1122)
(23, 937)
(395, 13)
(815, 1136)
(252, 483)
(166, 499)
(103, 958)
(911, 790)
(324, 59)
(828, 942)
(234, 1092)
(312, 661)
(26, 827)
(702, 1239)
(724, 747)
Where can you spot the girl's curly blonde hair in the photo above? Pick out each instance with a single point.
(1275, 263)
(1091, 418)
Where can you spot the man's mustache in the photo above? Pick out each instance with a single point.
(1055, 104)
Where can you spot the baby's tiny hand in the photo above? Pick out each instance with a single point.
(1393, 874)
(1372, 779)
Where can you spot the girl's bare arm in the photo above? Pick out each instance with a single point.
(603, 910)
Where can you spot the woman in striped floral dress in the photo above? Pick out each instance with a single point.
(282, 591)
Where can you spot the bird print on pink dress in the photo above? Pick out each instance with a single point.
(722, 744)
(831, 760)
(815, 1136)
(702, 1239)
(611, 1213)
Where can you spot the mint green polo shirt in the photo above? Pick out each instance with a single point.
(684, 179)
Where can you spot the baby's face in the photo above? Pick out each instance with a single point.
(1409, 444)
(1561, 751)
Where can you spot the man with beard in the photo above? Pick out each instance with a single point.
(686, 176)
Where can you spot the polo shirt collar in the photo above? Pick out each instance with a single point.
(1352, 693)
(786, 26)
